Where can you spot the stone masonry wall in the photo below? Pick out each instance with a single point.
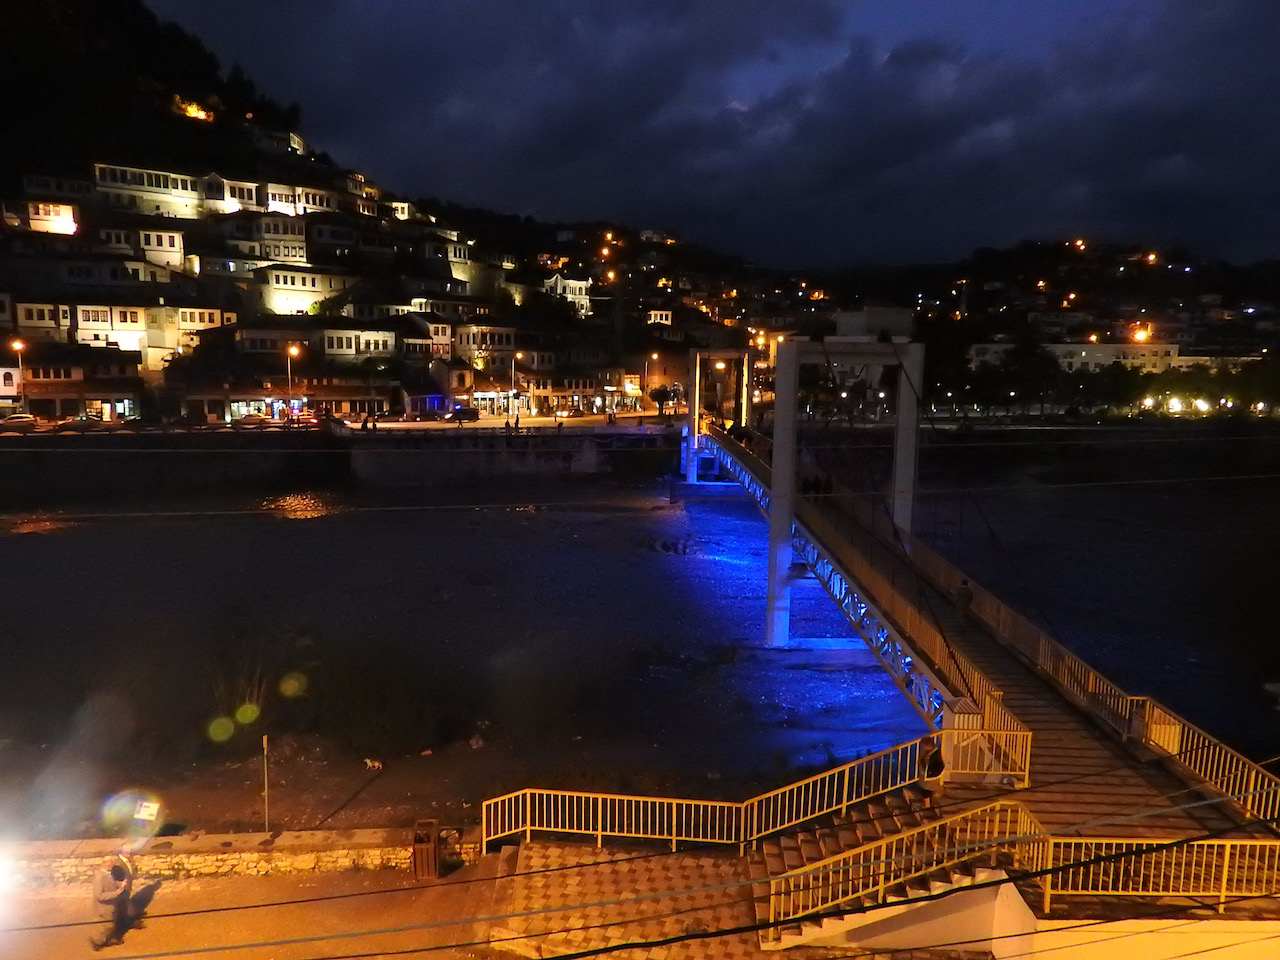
(202, 855)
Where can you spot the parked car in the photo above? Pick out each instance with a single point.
(569, 413)
(254, 421)
(463, 415)
(305, 419)
(80, 424)
(18, 421)
(194, 421)
(145, 421)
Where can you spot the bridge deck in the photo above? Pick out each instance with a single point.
(1083, 781)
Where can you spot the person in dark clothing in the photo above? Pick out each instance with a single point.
(964, 600)
(932, 768)
(112, 887)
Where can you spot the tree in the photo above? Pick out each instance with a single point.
(661, 395)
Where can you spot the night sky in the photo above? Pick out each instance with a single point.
(797, 133)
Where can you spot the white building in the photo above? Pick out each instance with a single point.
(148, 191)
(295, 289)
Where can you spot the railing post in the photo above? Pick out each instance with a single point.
(1227, 848)
(599, 822)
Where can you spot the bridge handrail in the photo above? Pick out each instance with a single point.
(1204, 758)
(720, 821)
(963, 677)
(870, 871)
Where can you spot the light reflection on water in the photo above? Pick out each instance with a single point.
(301, 506)
(34, 523)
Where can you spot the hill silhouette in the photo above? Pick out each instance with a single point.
(100, 80)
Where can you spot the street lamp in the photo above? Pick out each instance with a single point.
(511, 405)
(289, 354)
(18, 347)
(644, 387)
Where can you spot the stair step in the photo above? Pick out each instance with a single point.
(774, 863)
(810, 847)
(829, 841)
(789, 847)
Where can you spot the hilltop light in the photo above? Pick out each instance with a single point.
(189, 108)
(1141, 335)
(1152, 258)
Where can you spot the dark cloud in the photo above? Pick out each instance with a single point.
(771, 130)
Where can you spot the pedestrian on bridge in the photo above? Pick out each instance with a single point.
(964, 600)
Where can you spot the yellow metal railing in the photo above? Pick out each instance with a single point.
(867, 874)
(600, 815)
(1220, 869)
(612, 815)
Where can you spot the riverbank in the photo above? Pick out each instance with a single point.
(581, 633)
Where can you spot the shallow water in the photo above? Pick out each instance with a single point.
(1168, 589)
(597, 611)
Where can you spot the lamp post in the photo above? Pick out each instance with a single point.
(18, 347)
(288, 364)
(511, 405)
(644, 386)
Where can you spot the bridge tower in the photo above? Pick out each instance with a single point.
(908, 360)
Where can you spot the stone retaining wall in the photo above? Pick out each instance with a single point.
(217, 855)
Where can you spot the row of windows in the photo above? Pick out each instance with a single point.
(288, 250)
(144, 178)
(487, 338)
(94, 315)
(247, 194)
(317, 199)
(43, 314)
(292, 280)
(282, 227)
(198, 316)
(354, 343)
(159, 240)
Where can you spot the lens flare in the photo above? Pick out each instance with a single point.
(133, 814)
(246, 713)
(293, 685)
(222, 729)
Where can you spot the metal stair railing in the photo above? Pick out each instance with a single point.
(1103, 867)
(611, 815)
(714, 821)
(869, 872)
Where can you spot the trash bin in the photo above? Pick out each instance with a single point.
(426, 844)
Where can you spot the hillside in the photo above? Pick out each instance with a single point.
(100, 79)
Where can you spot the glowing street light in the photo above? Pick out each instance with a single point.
(18, 347)
(512, 403)
(289, 354)
(644, 387)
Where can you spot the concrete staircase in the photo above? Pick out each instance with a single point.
(867, 822)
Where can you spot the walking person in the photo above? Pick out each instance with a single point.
(112, 888)
(932, 768)
(964, 600)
